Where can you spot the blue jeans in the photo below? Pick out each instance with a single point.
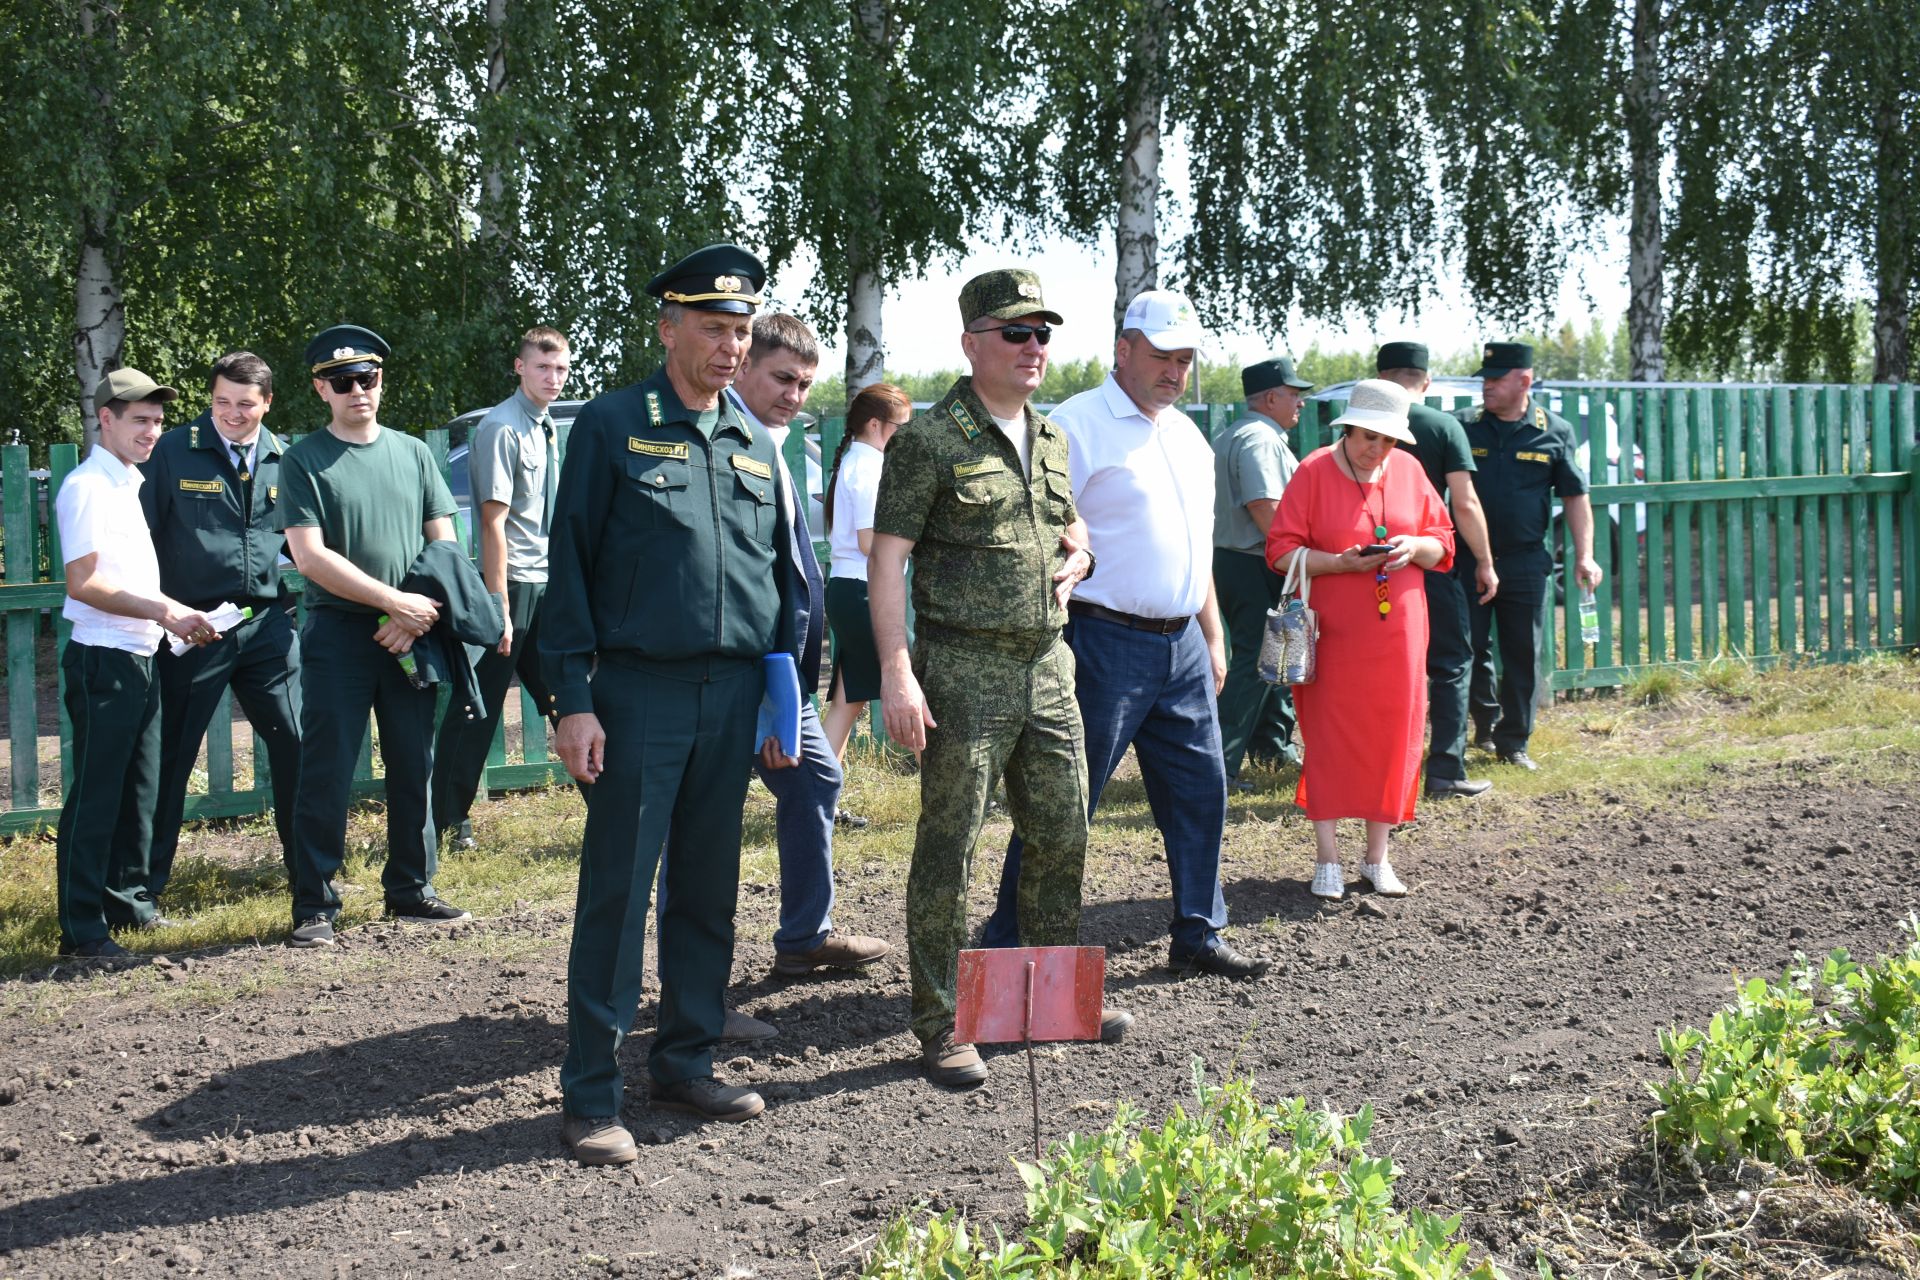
(1154, 693)
(805, 798)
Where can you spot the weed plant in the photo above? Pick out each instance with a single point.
(1818, 1070)
(1236, 1190)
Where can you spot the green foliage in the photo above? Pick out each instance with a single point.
(1818, 1069)
(1237, 1189)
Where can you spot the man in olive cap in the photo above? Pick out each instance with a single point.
(358, 502)
(119, 617)
(1440, 443)
(1525, 455)
(1251, 466)
(668, 577)
(978, 491)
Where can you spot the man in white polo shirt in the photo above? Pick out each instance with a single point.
(1145, 632)
(118, 615)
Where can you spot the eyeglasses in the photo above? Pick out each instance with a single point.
(366, 380)
(904, 422)
(1018, 334)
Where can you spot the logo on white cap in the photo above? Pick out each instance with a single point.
(1166, 319)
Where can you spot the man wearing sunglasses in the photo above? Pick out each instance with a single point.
(1146, 638)
(358, 502)
(978, 491)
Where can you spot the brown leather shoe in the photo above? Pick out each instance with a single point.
(707, 1097)
(743, 1027)
(598, 1140)
(951, 1064)
(838, 951)
(1114, 1024)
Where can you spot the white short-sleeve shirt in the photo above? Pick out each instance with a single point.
(853, 503)
(99, 513)
(1145, 488)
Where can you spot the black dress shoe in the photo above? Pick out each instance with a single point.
(1518, 758)
(1483, 739)
(94, 949)
(427, 911)
(1448, 788)
(1220, 960)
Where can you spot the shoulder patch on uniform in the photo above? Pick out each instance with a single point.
(656, 448)
(203, 486)
(1539, 417)
(1479, 453)
(654, 413)
(752, 466)
(963, 418)
(983, 467)
(1533, 455)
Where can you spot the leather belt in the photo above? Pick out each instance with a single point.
(1159, 626)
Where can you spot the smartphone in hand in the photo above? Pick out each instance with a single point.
(1379, 549)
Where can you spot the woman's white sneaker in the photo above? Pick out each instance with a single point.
(1380, 876)
(1328, 880)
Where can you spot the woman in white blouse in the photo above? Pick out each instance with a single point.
(875, 414)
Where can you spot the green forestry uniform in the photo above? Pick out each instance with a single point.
(213, 512)
(663, 598)
(997, 678)
(1251, 462)
(371, 503)
(1440, 445)
(1521, 467)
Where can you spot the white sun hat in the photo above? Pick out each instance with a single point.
(1378, 405)
(1166, 319)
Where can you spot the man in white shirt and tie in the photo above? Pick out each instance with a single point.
(1145, 632)
(119, 617)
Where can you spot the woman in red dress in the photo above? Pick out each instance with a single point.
(1363, 720)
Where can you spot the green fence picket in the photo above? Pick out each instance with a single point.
(1680, 467)
(1733, 454)
(1880, 458)
(1632, 598)
(23, 627)
(1860, 522)
(1807, 460)
(1755, 406)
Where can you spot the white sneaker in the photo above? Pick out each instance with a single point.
(1380, 876)
(1328, 880)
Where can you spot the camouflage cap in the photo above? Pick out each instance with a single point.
(1006, 294)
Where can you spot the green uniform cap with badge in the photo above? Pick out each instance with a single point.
(1268, 374)
(720, 277)
(1011, 293)
(1401, 355)
(129, 386)
(1498, 359)
(344, 349)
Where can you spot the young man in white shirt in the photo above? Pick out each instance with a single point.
(119, 617)
(1146, 635)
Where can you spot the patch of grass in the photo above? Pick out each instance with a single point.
(1654, 687)
(1238, 1187)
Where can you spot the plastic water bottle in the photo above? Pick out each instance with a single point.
(407, 662)
(224, 619)
(1589, 617)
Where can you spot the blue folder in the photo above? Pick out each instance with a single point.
(780, 705)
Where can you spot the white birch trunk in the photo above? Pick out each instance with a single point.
(1136, 237)
(1892, 249)
(99, 311)
(866, 354)
(493, 177)
(866, 290)
(1646, 120)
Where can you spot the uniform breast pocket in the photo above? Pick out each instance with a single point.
(986, 511)
(755, 499)
(203, 510)
(657, 490)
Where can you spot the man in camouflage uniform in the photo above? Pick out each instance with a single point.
(978, 491)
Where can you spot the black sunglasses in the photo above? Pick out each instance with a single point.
(1018, 334)
(366, 380)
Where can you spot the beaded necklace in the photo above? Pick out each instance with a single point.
(1379, 528)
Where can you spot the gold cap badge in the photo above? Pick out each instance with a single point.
(727, 284)
(341, 353)
(1028, 289)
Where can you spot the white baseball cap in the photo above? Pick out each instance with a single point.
(1166, 319)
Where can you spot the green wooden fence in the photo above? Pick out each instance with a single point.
(1769, 523)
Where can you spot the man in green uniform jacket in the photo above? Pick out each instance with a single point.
(211, 499)
(1440, 443)
(1525, 456)
(978, 491)
(670, 547)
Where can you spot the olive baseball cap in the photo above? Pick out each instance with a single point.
(1006, 294)
(1497, 359)
(129, 385)
(1401, 355)
(1268, 374)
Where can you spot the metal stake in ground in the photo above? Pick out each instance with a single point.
(1017, 995)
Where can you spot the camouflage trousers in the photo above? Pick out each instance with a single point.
(997, 713)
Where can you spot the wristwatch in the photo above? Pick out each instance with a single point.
(1091, 562)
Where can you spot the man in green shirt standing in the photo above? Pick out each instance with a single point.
(978, 491)
(1251, 467)
(1440, 443)
(667, 583)
(358, 502)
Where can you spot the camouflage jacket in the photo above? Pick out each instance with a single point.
(987, 539)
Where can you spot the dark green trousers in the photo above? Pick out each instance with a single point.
(260, 661)
(1518, 611)
(106, 820)
(679, 747)
(1255, 717)
(343, 676)
(1449, 673)
(460, 756)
